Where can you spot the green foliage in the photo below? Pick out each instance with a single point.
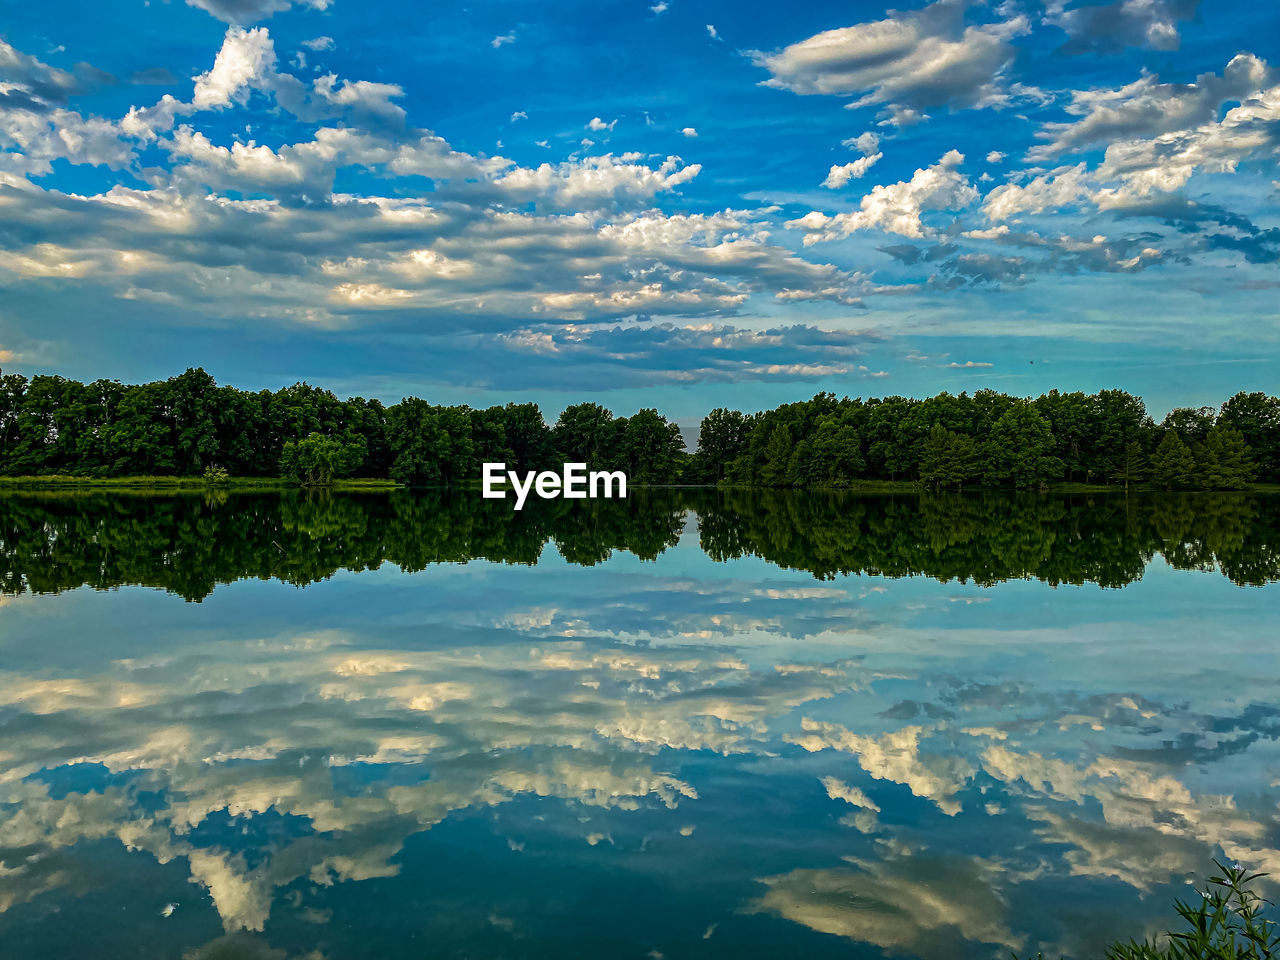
(179, 537)
(179, 427)
(1131, 467)
(430, 445)
(213, 474)
(720, 440)
(1020, 449)
(587, 433)
(1224, 462)
(1257, 417)
(651, 449)
(1172, 465)
(1225, 923)
(315, 460)
(777, 466)
(947, 459)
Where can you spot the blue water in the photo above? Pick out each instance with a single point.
(666, 758)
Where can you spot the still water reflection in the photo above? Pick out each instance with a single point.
(693, 724)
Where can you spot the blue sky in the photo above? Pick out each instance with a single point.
(649, 203)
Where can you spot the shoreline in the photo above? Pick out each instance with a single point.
(172, 483)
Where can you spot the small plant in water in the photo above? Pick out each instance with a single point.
(216, 474)
(1225, 923)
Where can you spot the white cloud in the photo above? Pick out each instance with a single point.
(244, 12)
(968, 365)
(1123, 23)
(43, 81)
(319, 44)
(865, 143)
(597, 124)
(1148, 108)
(712, 32)
(1059, 188)
(502, 39)
(995, 156)
(841, 174)
(247, 60)
(519, 115)
(690, 132)
(897, 208)
(366, 98)
(1166, 162)
(660, 7)
(911, 60)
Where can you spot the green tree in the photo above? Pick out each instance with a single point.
(774, 473)
(1224, 462)
(430, 445)
(1020, 449)
(652, 448)
(1130, 468)
(316, 460)
(587, 433)
(1172, 465)
(1257, 417)
(1116, 419)
(721, 437)
(834, 454)
(946, 458)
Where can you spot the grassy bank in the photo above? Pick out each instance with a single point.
(66, 482)
(163, 483)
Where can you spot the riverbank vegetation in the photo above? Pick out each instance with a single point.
(190, 428)
(1224, 922)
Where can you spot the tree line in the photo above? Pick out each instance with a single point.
(187, 544)
(189, 426)
(993, 439)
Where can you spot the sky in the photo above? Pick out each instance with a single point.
(644, 203)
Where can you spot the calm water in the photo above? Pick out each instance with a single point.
(687, 725)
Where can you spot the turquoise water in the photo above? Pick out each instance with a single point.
(688, 725)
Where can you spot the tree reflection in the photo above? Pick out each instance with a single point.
(187, 544)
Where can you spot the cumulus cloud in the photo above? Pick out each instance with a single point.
(37, 78)
(1148, 108)
(924, 58)
(1048, 191)
(584, 246)
(690, 132)
(1109, 27)
(840, 174)
(251, 11)
(865, 143)
(897, 208)
(246, 61)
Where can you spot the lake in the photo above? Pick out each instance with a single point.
(688, 724)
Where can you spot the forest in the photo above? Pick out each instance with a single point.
(189, 426)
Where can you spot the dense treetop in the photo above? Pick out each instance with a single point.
(188, 424)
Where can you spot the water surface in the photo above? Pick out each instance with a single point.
(691, 724)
